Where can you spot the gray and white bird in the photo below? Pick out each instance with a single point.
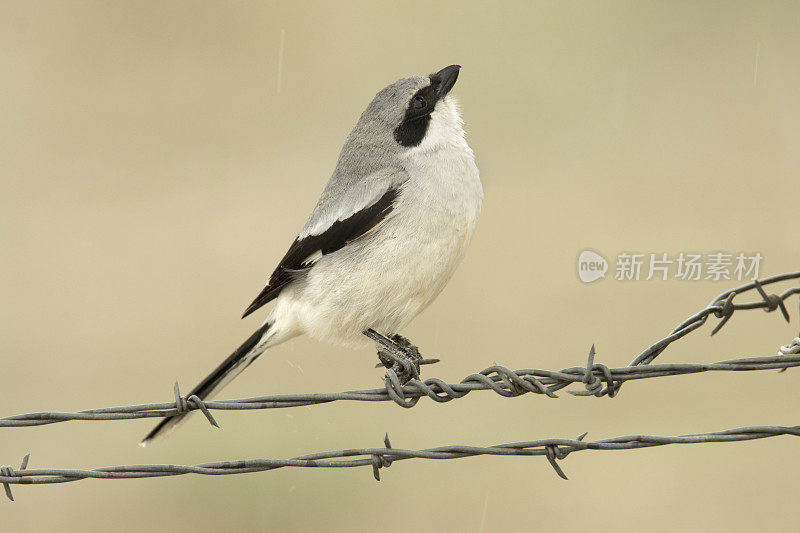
(386, 235)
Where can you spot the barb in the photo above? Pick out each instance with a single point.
(7, 472)
(182, 405)
(553, 449)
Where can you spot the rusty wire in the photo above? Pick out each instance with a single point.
(377, 458)
(597, 379)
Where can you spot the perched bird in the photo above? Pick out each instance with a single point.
(386, 235)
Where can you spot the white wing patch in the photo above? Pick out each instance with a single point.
(313, 258)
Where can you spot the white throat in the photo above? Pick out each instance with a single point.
(445, 129)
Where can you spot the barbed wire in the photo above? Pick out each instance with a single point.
(597, 379)
(553, 449)
(499, 379)
(723, 308)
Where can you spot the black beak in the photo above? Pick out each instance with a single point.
(445, 79)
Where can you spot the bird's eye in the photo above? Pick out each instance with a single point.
(418, 103)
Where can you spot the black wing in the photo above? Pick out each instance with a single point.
(335, 237)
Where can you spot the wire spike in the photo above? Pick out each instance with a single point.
(197, 402)
(551, 458)
(721, 323)
(7, 471)
(760, 290)
(784, 312)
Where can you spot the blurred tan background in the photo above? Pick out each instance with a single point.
(152, 175)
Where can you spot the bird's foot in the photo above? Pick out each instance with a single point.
(404, 361)
(397, 353)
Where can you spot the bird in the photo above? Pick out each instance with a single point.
(386, 235)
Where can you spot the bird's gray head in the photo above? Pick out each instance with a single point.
(415, 113)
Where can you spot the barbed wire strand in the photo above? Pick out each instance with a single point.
(598, 379)
(499, 379)
(723, 308)
(553, 449)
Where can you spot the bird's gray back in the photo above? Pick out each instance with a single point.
(369, 162)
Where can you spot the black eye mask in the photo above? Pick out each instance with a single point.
(412, 130)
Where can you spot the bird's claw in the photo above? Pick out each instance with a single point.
(404, 361)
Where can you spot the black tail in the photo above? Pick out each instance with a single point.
(226, 371)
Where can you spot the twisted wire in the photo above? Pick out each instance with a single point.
(553, 449)
(723, 308)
